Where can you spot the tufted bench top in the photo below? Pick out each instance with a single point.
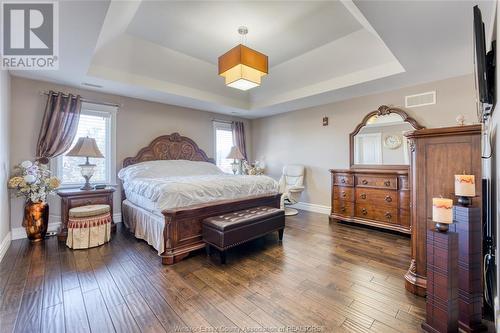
(240, 218)
(89, 210)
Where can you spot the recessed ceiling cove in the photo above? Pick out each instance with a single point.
(173, 47)
(318, 51)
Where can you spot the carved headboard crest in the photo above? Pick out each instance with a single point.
(169, 147)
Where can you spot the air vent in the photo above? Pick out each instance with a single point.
(427, 98)
(91, 85)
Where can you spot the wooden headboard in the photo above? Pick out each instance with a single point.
(169, 147)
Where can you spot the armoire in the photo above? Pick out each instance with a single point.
(437, 154)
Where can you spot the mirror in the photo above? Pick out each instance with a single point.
(379, 140)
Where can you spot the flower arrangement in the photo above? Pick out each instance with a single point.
(253, 169)
(33, 181)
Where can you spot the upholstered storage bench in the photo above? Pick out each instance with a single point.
(229, 230)
(89, 226)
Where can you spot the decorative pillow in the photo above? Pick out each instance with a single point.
(170, 168)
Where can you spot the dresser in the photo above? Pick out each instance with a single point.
(437, 154)
(375, 197)
(375, 190)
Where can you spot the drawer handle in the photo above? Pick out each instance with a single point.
(342, 209)
(387, 183)
(388, 215)
(342, 180)
(364, 182)
(364, 211)
(363, 195)
(388, 198)
(343, 194)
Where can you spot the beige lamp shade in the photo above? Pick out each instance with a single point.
(235, 154)
(85, 147)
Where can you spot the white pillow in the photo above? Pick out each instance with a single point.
(168, 168)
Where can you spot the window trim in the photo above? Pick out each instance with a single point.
(221, 125)
(94, 109)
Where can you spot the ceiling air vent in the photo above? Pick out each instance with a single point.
(427, 98)
(93, 85)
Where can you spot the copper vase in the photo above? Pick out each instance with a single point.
(36, 219)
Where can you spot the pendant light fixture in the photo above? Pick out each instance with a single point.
(241, 67)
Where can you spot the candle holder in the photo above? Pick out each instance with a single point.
(442, 227)
(464, 201)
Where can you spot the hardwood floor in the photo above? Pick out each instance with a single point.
(351, 280)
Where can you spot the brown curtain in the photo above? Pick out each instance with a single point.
(59, 125)
(239, 137)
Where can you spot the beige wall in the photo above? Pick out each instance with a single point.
(138, 122)
(4, 155)
(299, 137)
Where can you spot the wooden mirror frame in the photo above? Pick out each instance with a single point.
(383, 110)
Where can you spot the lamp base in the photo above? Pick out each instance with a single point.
(87, 186)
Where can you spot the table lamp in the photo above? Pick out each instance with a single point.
(86, 147)
(235, 154)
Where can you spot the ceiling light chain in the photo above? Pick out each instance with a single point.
(243, 31)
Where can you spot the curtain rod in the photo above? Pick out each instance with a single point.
(86, 100)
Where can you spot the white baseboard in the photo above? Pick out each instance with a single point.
(54, 226)
(20, 233)
(117, 217)
(312, 207)
(4, 245)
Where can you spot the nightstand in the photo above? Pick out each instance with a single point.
(71, 198)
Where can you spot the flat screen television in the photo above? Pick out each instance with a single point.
(484, 67)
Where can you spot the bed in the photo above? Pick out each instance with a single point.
(171, 185)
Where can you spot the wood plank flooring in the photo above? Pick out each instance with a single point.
(323, 278)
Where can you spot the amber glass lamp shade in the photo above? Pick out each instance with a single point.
(242, 68)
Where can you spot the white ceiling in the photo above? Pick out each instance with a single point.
(319, 51)
(205, 30)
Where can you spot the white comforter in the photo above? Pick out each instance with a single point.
(170, 184)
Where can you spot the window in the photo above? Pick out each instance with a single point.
(98, 122)
(223, 133)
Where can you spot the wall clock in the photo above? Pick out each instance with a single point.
(392, 141)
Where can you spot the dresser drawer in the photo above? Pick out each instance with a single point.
(377, 181)
(371, 196)
(343, 193)
(382, 214)
(342, 207)
(94, 200)
(343, 179)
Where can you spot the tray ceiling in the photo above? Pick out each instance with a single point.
(319, 51)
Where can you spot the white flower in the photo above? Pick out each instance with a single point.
(26, 164)
(29, 179)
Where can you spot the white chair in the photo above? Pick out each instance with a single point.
(290, 185)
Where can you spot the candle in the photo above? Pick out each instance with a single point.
(465, 186)
(442, 211)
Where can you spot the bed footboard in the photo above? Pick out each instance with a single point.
(182, 232)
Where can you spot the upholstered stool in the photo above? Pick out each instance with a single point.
(88, 226)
